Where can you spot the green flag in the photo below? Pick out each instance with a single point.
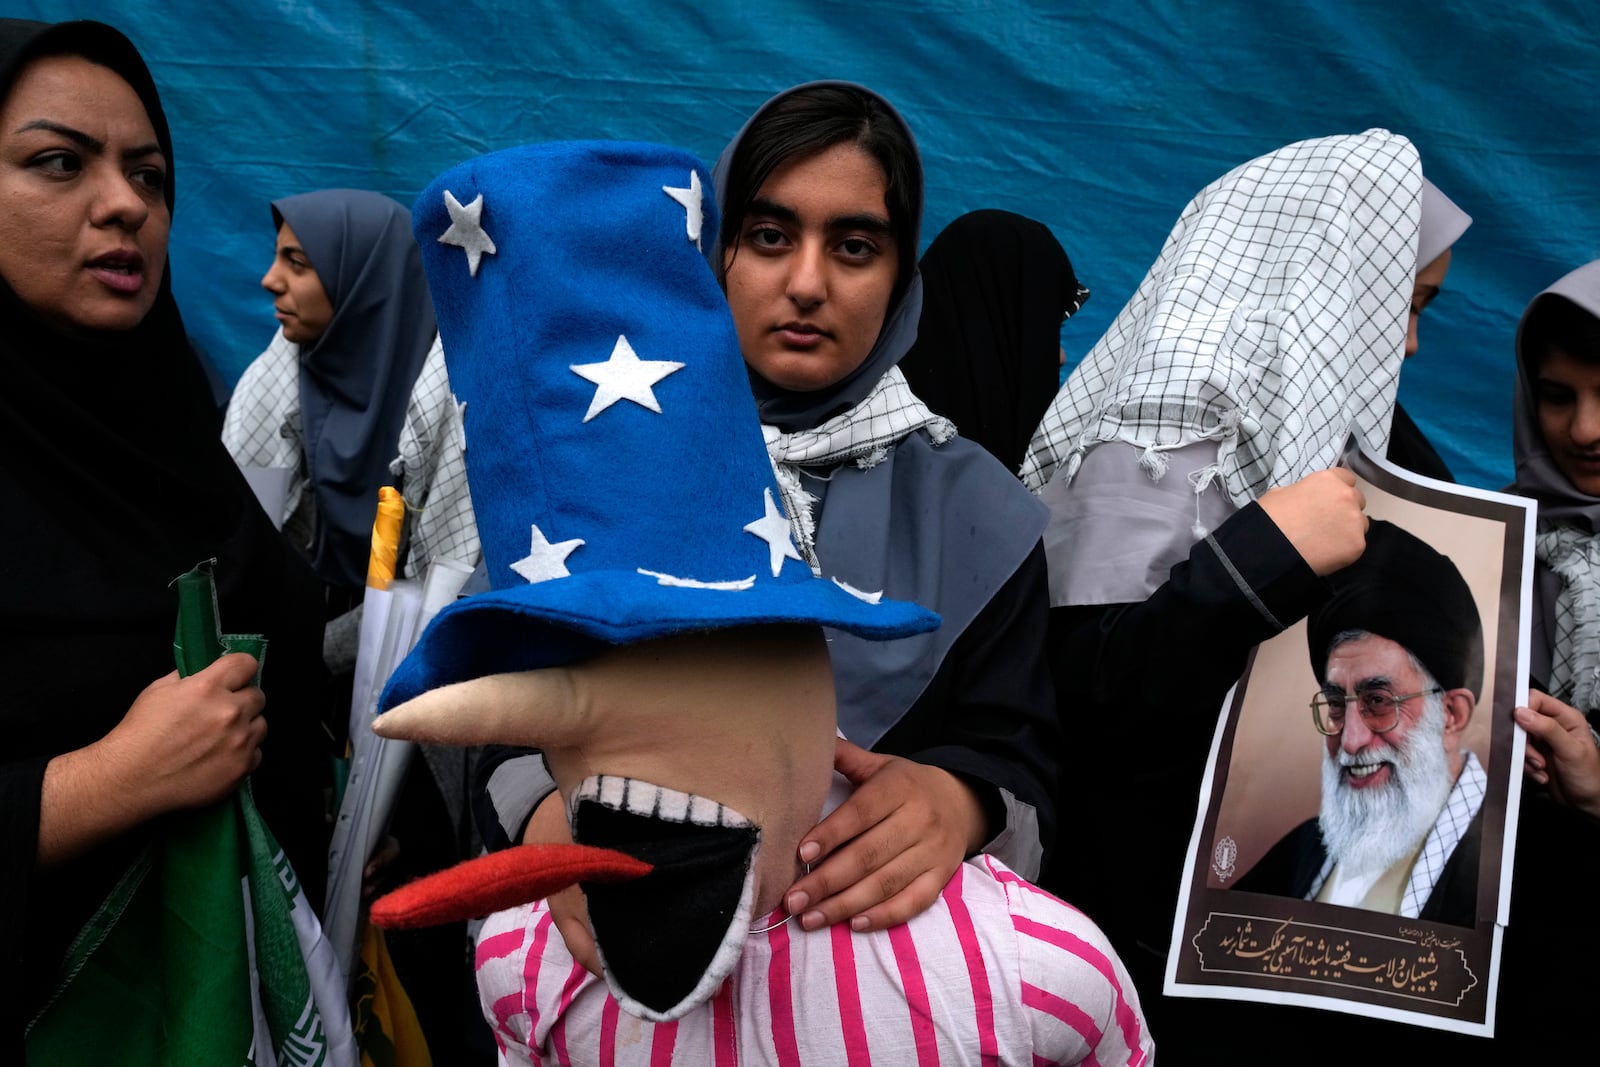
(207, 951)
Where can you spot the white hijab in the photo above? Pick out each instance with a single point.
(1273, 322)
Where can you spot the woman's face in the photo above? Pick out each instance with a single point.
(810, 275)
(83, 221)
(298, 295)
(1567, 396)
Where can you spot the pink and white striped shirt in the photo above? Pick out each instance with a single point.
(997, 972)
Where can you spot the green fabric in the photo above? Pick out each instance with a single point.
(163, 973)
(198, 640)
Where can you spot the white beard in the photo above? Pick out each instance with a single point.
(1369, 830)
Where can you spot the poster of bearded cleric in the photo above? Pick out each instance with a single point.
(1353, 845)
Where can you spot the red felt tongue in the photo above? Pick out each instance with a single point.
(500, 880)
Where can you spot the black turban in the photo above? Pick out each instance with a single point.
(1405, 590)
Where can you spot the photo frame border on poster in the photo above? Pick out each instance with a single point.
(1197, 903)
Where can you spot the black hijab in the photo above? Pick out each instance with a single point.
(996, 288)
(115, 482)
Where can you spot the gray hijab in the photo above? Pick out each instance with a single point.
(1537, 475)
(356, 379)
(942, 525)
(1568, 518)
(1441, 225)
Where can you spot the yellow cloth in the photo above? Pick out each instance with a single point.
(386, 1024)
(385, 538)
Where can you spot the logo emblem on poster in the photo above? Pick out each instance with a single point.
(1223, 857)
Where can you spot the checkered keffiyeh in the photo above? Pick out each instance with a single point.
(864, 434)
(431, 470)
(1574, 555)
(1460, 808)
(1272, 321)
(262, 426)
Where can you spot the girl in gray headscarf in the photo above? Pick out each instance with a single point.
(353, 379)
(1556, 436)
(821, 194)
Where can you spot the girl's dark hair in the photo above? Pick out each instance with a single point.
(815, 118)
(1559, 323)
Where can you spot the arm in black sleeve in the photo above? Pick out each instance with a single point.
(21, 787)
(1240, 585)
(507, 784)
(1140, 687)
(988, 716)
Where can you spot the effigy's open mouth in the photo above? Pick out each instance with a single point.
(668, 939)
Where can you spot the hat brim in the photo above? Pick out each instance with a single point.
(552, 623)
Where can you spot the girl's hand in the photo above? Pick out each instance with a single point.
(1323, 517)
(1561, 752)
(886, 853)
(548, 825)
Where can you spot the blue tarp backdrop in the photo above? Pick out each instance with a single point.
(1101, 120)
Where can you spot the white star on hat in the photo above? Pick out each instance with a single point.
(545, 560)
(860, 594)
(773, 528)
(466, 230)
(691, 199)
(624, 377)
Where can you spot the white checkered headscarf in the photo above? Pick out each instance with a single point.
(1273, 320)
(262, 429)
(863, 436)
(431, 470)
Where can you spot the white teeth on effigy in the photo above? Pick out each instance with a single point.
(652, 801)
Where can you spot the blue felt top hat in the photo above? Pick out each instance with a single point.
(620, 481)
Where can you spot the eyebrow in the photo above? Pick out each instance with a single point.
(773, 210)
(86, 142)
(866, 221)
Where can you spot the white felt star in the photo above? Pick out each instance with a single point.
(545, 560)
(674, 582)
(624, 377)
(859, 594)
(690, 198)
(773, 528)
(466, 230)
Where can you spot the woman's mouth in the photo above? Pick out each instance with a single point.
(121, 271)
(801, 335)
